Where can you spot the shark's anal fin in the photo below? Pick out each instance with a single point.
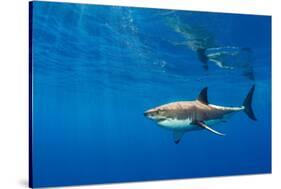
(177, 136)
(204, 126)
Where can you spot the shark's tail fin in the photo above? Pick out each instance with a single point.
(248, 104)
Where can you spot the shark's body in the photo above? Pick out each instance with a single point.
(184, 116)
(181, 115)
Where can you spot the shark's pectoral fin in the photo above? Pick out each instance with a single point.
(203, 125)
(220, 64)
(180, 43)
(177, 136)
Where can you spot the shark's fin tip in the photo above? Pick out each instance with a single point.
(177, 136)
(177, 141)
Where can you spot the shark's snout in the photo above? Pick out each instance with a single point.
(145, 114)
(148, 113)
(154, 114)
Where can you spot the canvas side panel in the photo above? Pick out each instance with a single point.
(30, 96)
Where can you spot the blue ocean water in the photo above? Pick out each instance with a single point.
(96, 69)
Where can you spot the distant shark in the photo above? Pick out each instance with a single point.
(203, 43)
(184, 116)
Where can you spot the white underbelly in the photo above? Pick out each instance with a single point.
(176, 123)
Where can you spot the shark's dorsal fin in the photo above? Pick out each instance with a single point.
(177, 136)
(203, 96)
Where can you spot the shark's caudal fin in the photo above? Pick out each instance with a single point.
(248, 104)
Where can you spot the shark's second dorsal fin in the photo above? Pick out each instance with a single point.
(203, 96)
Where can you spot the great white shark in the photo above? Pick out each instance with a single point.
(184, 116)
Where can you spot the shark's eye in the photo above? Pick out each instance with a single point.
(159, 111)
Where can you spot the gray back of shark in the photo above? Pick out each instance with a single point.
(185, 116)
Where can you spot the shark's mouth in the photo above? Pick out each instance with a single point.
(161, 119)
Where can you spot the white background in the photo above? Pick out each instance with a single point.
(14, 93)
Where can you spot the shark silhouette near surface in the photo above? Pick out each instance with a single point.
(203, 43)
(185, 116)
